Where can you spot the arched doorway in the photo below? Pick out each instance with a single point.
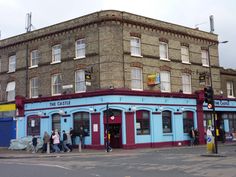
(114, 123)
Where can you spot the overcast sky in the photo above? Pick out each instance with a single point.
(183, 12)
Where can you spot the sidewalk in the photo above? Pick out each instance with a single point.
(14, 154)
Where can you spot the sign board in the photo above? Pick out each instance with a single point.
(7, 107)
(67, 86)
(153, 79)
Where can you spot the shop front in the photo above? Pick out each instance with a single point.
(7, 124)
(138, 119)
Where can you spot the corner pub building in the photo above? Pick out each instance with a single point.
(145, 70)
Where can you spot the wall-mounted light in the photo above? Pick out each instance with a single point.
(91, 109)
(61, 112)
(132, 108)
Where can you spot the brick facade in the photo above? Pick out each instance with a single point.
(107, 38)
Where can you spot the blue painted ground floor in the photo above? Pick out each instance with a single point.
(134, 119)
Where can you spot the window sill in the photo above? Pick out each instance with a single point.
(35, 66)
(77, 58)
(205, 65)
(58, 94)
(167, 134)
(80, 91)
(133, 55)
(187, 63)
(230, 96)
(55, 62)
(11, 71)
(164, 59)
(137, 89)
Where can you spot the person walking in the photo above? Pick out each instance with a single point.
(192, 137)
(56, 141)
(73, 136)
(46, 142)
(34, 143)
(64, 139)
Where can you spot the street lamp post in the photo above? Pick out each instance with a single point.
(211, 83)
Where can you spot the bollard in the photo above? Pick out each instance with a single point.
(48, 148)
(210, 144)
(79, 146)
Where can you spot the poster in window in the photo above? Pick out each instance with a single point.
(32, 123)
(138, 126)
(95, 127)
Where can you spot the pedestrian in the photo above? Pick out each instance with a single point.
(196, 133)
(64, 139)
(192, 136)
(73, 136)
(56, 141)
(46, 142)
(69, 142)
(34, 143)
(81, 136)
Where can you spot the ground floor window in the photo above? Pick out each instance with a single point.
(232, 120)
(188, 121)
(143, 122)
(81, 119)
(56, 122)
(207, 120)
(166, 122)
(33, 125)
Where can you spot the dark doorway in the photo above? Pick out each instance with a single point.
(116, 136)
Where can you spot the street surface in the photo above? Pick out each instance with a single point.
(166, 162)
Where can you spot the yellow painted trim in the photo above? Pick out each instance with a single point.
(7, 107)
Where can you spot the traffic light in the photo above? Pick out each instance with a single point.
(209, 97)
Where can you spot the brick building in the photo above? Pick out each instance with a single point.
(150, 73)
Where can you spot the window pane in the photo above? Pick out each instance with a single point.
(80, 48)
(185, 54)
(56, 122)
(188, 122)
(205, 60)
(35, 57)
(11, 91)
(12, 64)
(34, 87)
(81, 119)
(56, 84)
(135, 46)
(56, 53)
(186, 82)
(163, 50)
(136, 78)
(165, 81)
(166, 122)
(142, 123)
(80, 84)
(33, 125)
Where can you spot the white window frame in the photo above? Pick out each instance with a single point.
(205, 58)
(80, 49)
(186, 83)
(165, 81)
(12, 64)
(56, 54)
(230, 89)
(34, 58)
(11, 91)
(185, 54)
(56, 84)
(135, 46)
(34, 83)
(163, 49)
(136, 78)
(80, 82)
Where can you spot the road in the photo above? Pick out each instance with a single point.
(168, 162)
